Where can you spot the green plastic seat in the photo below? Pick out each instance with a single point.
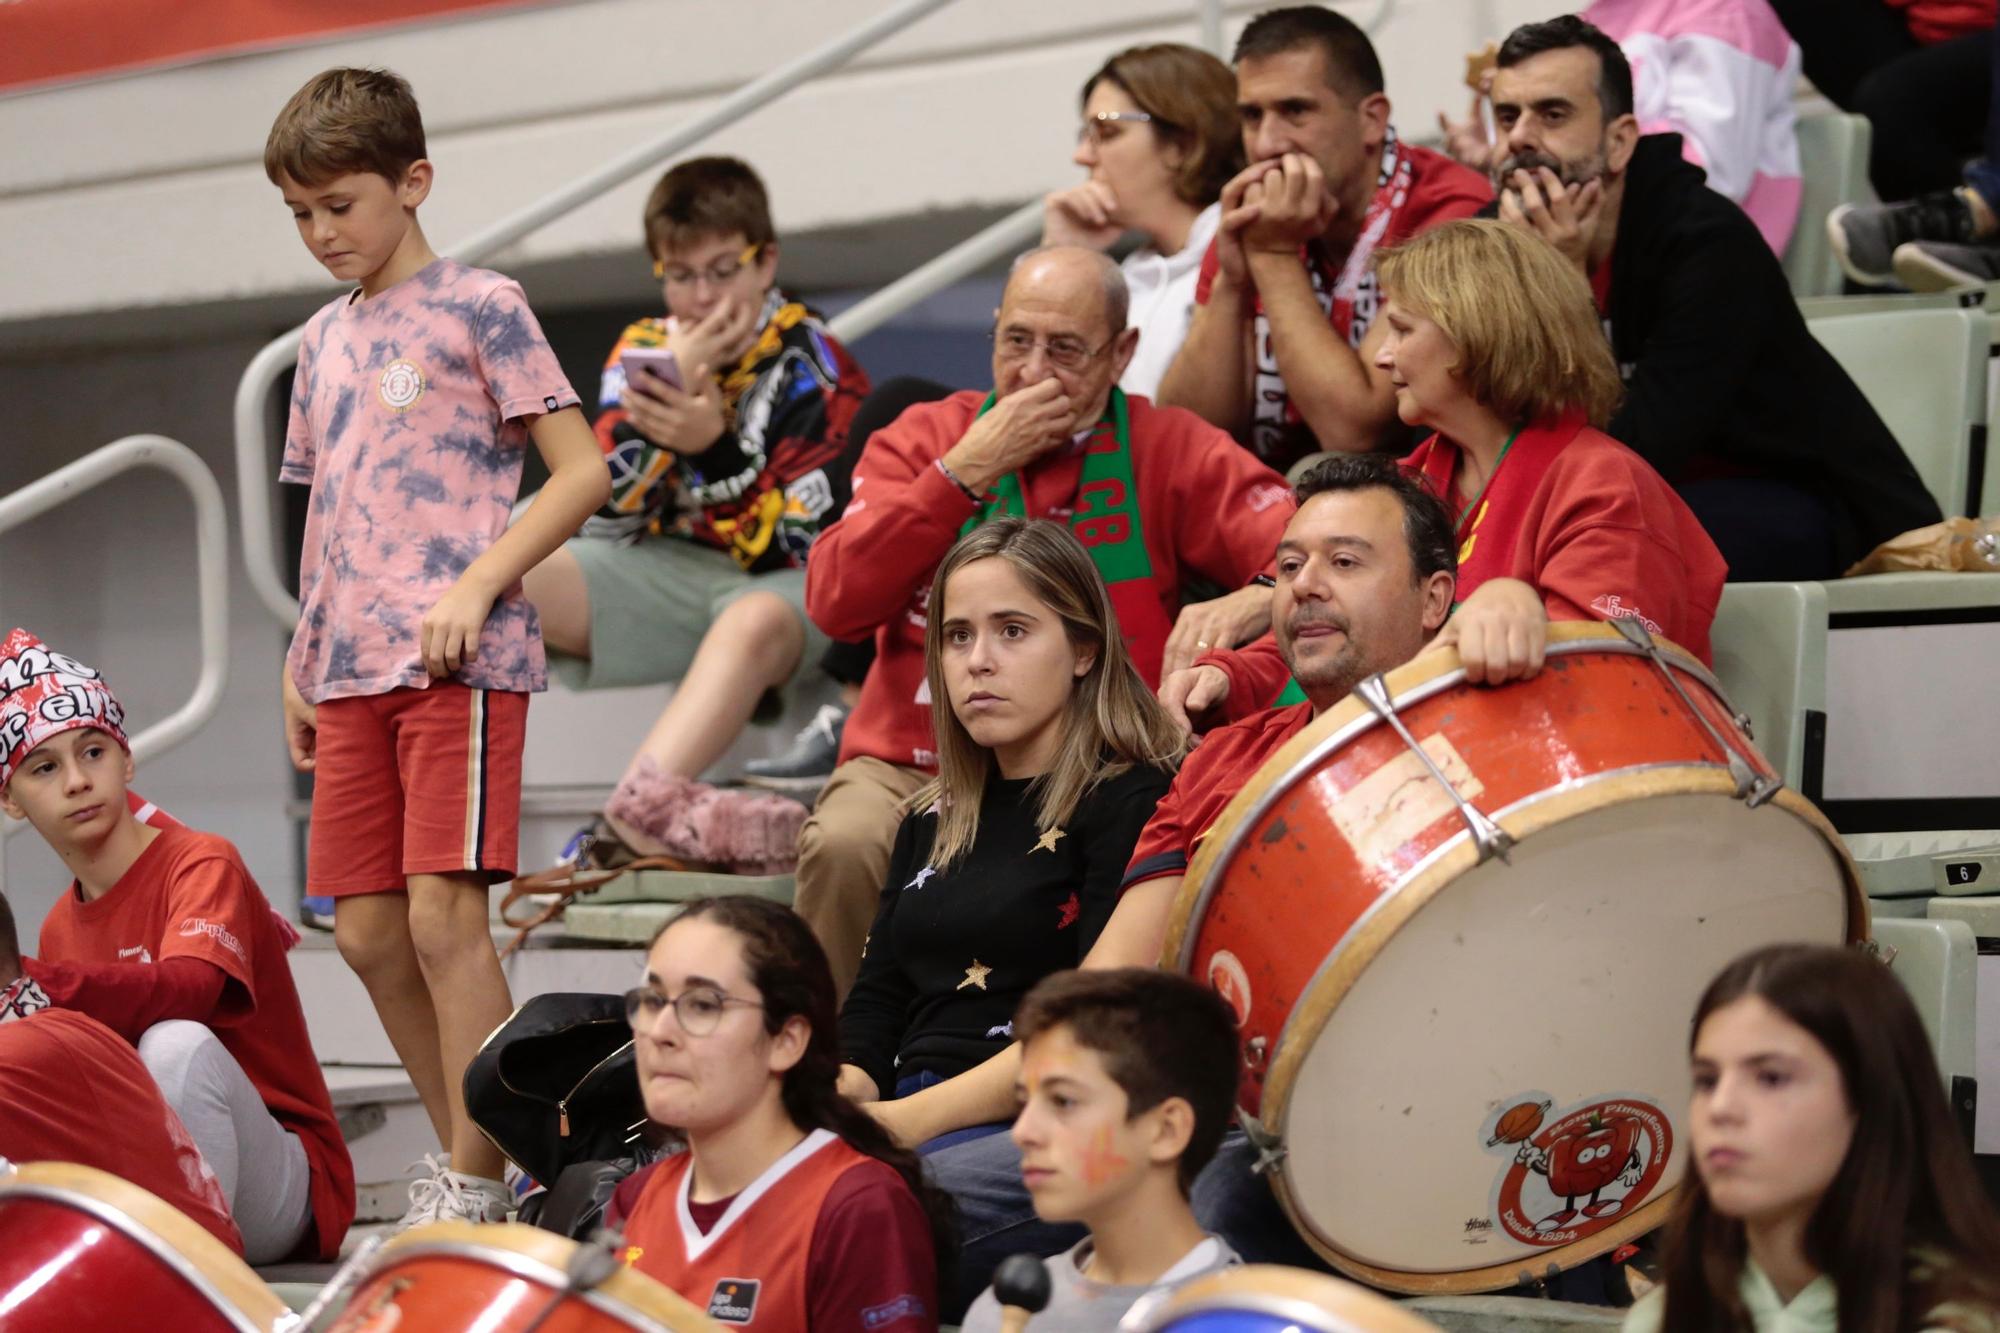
(1833, 162)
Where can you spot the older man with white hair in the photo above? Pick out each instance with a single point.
(1156, 494)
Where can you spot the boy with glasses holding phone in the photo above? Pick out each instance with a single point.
(725, 425)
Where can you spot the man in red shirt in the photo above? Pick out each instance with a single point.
(1280, 350)
(76, 1093)
(1155, 494)
(165, 938)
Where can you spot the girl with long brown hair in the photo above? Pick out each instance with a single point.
(1052, 754)
(1831, 1188)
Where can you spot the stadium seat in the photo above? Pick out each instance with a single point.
(1924, 370)
(1769, 641)
(1833, 159)
(1937, 962)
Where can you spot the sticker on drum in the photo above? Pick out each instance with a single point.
(1571, 1177)
(1231, 982)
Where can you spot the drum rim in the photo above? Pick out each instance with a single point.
(22, 1183)
(1409, 684)
(1300, 1295)
(1424, 881)
(617, 1295)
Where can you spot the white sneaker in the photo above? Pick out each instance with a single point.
(444, 1195)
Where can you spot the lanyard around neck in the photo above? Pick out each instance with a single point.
(1472, 507)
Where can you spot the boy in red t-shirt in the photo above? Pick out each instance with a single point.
(164, 938)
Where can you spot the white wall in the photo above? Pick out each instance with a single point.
(147, 190)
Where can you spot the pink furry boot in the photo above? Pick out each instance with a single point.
(751, 833)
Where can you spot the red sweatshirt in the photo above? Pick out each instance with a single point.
(1206, 507)
(1598, 533)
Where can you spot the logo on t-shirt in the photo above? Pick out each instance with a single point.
(402, 384)
(734, 1300)
(903, 1307)
(138, 951)
(222, 935)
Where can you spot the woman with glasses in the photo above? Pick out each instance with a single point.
(1052, 754)
(726, 466)
(790, 1209)
(1829, 1187)
(1160, 139)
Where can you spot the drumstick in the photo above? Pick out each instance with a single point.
(1022, 1285)
(1479, 66)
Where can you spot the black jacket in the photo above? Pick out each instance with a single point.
(1720, 370)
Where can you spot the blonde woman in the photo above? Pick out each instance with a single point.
(1052, 754)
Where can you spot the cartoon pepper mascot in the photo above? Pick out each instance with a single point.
(1586, 1161)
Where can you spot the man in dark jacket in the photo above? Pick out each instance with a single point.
(1727, 394)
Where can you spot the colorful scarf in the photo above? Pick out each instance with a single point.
(1106, 520)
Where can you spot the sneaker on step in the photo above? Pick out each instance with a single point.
(1865, 236)
(1936, 266)
(810, 761)
(316, 912)
(445, 1195)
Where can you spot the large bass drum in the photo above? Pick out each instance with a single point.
(1464, 929)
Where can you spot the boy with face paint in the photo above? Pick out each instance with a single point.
(1127, 1081)
(164, 938)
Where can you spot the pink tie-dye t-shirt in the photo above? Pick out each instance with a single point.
(407, 424)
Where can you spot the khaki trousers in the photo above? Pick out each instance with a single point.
(844, 856)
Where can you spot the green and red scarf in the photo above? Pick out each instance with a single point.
(1106, 520)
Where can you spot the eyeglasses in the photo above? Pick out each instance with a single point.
(697, 1010)
(1064, 353)
(1093, 126)
(680, 279)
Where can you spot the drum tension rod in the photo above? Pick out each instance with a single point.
(1489, 837)
(335, 1292)
(1270, 1148)
(1750, 788)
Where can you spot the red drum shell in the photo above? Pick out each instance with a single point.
(1399, 998)
(85, 1252)
(454, 1277)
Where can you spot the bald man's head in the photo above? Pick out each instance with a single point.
(1062, 316)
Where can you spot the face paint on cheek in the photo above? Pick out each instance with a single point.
(1101, 1162)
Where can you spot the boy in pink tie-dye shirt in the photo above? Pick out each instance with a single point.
(407, 683)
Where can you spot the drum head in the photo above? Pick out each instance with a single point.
(1490, 1073)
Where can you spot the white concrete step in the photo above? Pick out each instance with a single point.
(386, 1131)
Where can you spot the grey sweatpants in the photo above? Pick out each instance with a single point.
(260, 1164)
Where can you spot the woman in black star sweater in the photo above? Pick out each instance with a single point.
(1052, 754)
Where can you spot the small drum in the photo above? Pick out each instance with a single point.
(1464, 930)
(86, 1252)
(1266, 1298)
(454, 1277)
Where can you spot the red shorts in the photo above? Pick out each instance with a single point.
(415, 782)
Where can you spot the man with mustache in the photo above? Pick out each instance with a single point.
(1728, 395)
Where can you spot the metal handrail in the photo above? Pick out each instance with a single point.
(995, 242)
(211, 535)
(253, 444)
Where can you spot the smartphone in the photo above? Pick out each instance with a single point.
(658, 361)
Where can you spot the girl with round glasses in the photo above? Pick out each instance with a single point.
(790, 1209)
(1159, 138)
(1052, 755)
(1831, 1189)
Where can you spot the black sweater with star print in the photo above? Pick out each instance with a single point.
(952, 953)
